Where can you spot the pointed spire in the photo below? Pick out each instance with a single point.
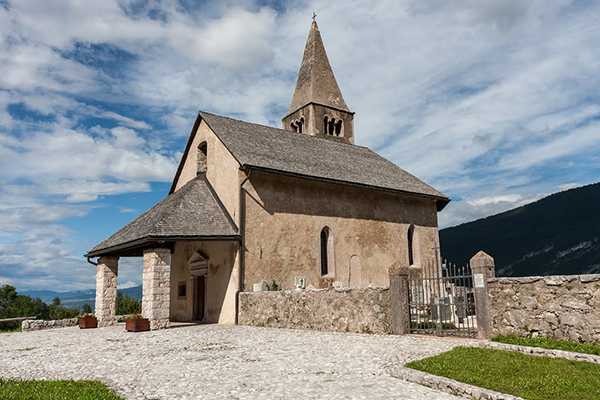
(316, 82)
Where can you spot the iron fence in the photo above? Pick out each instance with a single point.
(441, 300)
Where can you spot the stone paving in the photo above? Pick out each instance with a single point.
(223, 362)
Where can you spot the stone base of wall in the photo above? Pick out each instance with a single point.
(334, 309)
(38, 325)
(562, 307)
(159, 324)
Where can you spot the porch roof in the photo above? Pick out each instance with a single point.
(192, 213)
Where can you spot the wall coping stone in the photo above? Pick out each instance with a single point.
(539, 351)
(448, 385)
(40, 324)
(552, 280)
(328, 289)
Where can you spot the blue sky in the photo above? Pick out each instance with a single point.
(494, 103)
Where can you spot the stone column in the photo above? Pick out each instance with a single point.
(156, 287)
(399, 299)
(106, 290)
(482, 268)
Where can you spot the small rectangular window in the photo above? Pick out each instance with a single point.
(181, 292)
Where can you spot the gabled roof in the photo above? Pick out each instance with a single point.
(316, 82)
(192, 213)
(277, 150)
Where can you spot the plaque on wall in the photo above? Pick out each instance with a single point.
(478, 280)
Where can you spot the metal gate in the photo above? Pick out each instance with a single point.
(441, 300)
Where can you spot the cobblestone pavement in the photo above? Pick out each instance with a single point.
(223, 362)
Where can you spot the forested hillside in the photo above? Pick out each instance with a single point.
(559, 234)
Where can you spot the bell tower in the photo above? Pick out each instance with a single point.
(318, 108)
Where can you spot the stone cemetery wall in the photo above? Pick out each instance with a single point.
(564, 307)
(37, 325)
(333, 309)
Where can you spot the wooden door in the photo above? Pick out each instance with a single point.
(200, 298)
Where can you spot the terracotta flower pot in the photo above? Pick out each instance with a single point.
(137, 325)
(87, 323)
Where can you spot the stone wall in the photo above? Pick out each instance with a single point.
(38, 325)
(564, 307)
(333, 309)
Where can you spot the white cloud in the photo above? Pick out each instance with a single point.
(484, 201)
(128, 284)
(81, 198)
(478, 207)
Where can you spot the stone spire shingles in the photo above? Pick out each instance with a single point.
(316, 82)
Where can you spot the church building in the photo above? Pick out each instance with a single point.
(302, 206)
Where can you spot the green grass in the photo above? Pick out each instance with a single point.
(55, 390)
(549, 343)
(526, 376)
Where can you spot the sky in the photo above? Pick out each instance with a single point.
(495, 103)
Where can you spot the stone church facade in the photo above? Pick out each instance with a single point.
(251, 203)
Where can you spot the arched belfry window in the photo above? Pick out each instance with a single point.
(202, 155)
(298, 125)
(332, 127)
(414, 257)
(327, 252)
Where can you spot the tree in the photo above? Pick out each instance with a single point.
(7, 295)
(126, 305)
(13, 305)
(86, 308)
(56, 301)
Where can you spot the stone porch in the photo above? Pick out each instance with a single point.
(156, 288)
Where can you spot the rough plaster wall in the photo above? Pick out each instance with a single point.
(285, 216)
(222, 169)
(221, 281)
(564, 307)
(364, 310)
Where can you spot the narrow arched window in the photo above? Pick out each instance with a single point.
(414, 253)
(300, 124)
(327, 252)
(411, 232)
(294, 127)
(202, 158)
(325, 124)
(338, 128)
(324, 258)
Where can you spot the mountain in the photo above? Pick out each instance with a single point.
(77, 298)
(48, 295)
(557, 235)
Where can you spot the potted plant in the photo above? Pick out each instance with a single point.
(136, 323)
(87, 320)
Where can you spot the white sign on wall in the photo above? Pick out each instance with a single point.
(478, 280)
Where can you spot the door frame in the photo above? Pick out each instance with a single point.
(195, 279)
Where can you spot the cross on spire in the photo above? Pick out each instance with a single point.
(314, 16)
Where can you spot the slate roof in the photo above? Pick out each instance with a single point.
(282, 151)
(193, 212)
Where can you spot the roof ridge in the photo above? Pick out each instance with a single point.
(283, 130)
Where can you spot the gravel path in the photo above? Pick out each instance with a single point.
(223, 362)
